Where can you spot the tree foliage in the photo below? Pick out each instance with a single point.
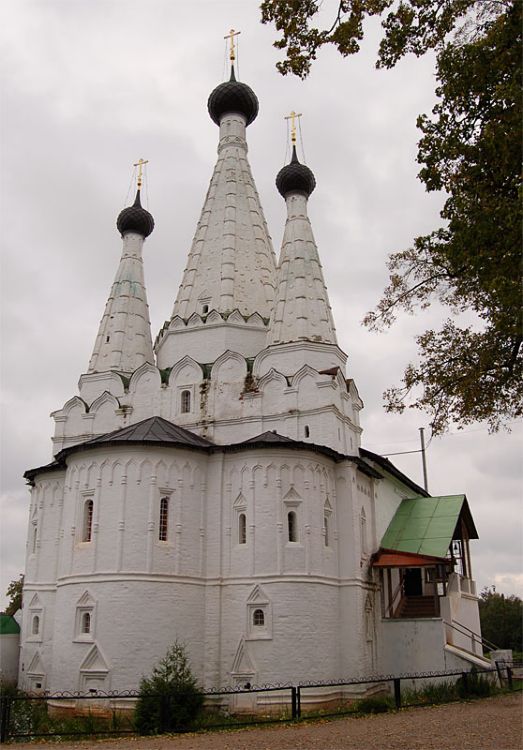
(170, 699)
(410, 26)
(501, 619)
(14, 594)
(471, 149)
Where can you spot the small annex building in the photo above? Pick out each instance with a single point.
(9, 649)
(211, 486)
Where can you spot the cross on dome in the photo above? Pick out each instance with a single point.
(140, 163)
(293, 117)
(232, 33)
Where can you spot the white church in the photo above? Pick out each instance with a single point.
(210, 487)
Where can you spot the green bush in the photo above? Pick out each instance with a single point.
(169, 699)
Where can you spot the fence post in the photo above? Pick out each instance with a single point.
(5, 710)
(500, 676)
(298, 702)
(397, 692)
(509, 678)
(294, 702)
(464, 677)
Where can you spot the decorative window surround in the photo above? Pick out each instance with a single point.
(163, 523)
(85, 616)
(87, 517)
(185, 401)
(240, 512)
(259, 616)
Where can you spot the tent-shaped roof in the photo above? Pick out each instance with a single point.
(426, 525)
(152, 430)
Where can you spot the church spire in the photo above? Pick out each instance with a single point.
(124, 340)
(231, 256)
(231, 264)
(301, 308)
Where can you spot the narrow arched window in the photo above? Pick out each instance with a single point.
(163, 525)
(185, 402)
(326, 529)
(35, 537)
(205, 309)
(363, 532)
(292, 526)
(88, 521)
(35, 625)
(307, 431)
(242, 529)
(258, 618)
(86, 622)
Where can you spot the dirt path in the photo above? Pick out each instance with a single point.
(488, 724)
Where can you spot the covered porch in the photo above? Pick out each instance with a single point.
(424, 559)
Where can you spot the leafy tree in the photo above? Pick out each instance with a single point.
(170, 699)
(471, 150)
(14, 594)
(501, 619)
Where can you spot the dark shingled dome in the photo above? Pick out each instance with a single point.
(295, 177)
(135, 219)
(233, 96)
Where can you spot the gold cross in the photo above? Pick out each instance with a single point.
(140, 164)
(292, 117)
(232, 33)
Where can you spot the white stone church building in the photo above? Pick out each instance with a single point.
(211, 486)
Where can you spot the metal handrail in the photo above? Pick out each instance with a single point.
(475, 636)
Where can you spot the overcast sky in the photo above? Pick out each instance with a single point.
(90, 86)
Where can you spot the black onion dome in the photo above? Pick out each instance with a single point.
(295, 177)
(233, 96)
(135, 219)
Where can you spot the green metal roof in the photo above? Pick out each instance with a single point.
(426, 525)
(8, 625)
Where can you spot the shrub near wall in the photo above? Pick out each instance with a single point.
(169, 700)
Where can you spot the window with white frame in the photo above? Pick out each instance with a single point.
(327, 514)
(84, 620)
(163, 522)
(363, 533)
(259, 615)
(242, 528)
(35, 625)
(185, 401)
(292, 526)
(85, 623)
(326, 529)
(87, 523)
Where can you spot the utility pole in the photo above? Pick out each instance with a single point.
(423, 458)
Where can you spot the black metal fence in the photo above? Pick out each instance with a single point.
(57, 715)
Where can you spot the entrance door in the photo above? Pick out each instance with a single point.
(412, 583)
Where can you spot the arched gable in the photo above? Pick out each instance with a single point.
(213, 317)
(145, 379)
(255, 320)
(103, 408)
(303, 373)
(177, 323)
(230, 367)
(194, 320)
(236, 317)
(185, 372)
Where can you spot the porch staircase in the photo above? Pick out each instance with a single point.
(414, 607)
